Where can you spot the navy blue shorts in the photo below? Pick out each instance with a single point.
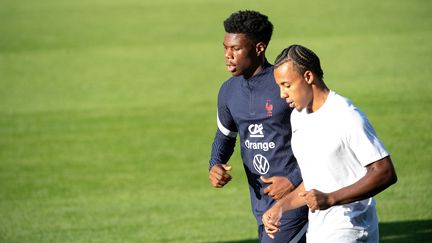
(289, 229)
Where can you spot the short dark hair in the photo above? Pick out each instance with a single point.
(252, 23)
(303, 59)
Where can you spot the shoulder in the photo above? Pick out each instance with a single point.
(340, 102)
(343, 104)
(228, 90)
(267, 74)
(350, 114)
(229, 84)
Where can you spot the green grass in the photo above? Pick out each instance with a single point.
(107, 113)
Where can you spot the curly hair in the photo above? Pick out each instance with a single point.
(303, 59)
(253, 24)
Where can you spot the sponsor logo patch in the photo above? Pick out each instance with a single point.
(261, 164)
(256, 130)
(265, 146)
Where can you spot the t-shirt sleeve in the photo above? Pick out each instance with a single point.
(363, 140)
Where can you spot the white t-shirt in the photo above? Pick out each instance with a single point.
(333, 146)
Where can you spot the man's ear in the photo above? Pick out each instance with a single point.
(309, 76)
(260, 48)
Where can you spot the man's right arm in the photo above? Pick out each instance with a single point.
(222, 149)
(224, 142)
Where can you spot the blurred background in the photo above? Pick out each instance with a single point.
(108, 112)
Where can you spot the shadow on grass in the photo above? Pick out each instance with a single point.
(406, 231)
(394, 232)
(236, 241)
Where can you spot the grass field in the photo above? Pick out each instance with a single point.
(107, 113)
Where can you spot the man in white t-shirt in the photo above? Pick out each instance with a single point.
(342, 161)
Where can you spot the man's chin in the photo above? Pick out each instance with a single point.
(236, 74)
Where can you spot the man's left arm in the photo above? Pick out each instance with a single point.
(380, 175)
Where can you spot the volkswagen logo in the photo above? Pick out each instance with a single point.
(261, 164)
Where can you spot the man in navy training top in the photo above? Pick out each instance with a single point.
(249, 104)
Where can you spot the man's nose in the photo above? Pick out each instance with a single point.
(228, 53)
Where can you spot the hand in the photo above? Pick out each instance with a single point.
(218, 175)
(271, 220)
(316, 200)
(279, 186)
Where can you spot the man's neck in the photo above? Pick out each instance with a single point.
(256, 70)
(320, 95)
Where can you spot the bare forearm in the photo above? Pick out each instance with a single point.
(292, 200)
(379, 176)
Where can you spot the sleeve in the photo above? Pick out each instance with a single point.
(294, 174)
(225, 138)
(363, 141)
(222, 149)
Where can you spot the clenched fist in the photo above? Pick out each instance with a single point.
(219, 176)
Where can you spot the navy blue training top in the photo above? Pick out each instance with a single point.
(254, 110)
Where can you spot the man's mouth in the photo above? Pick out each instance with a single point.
(230, 67)
(290, 103)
